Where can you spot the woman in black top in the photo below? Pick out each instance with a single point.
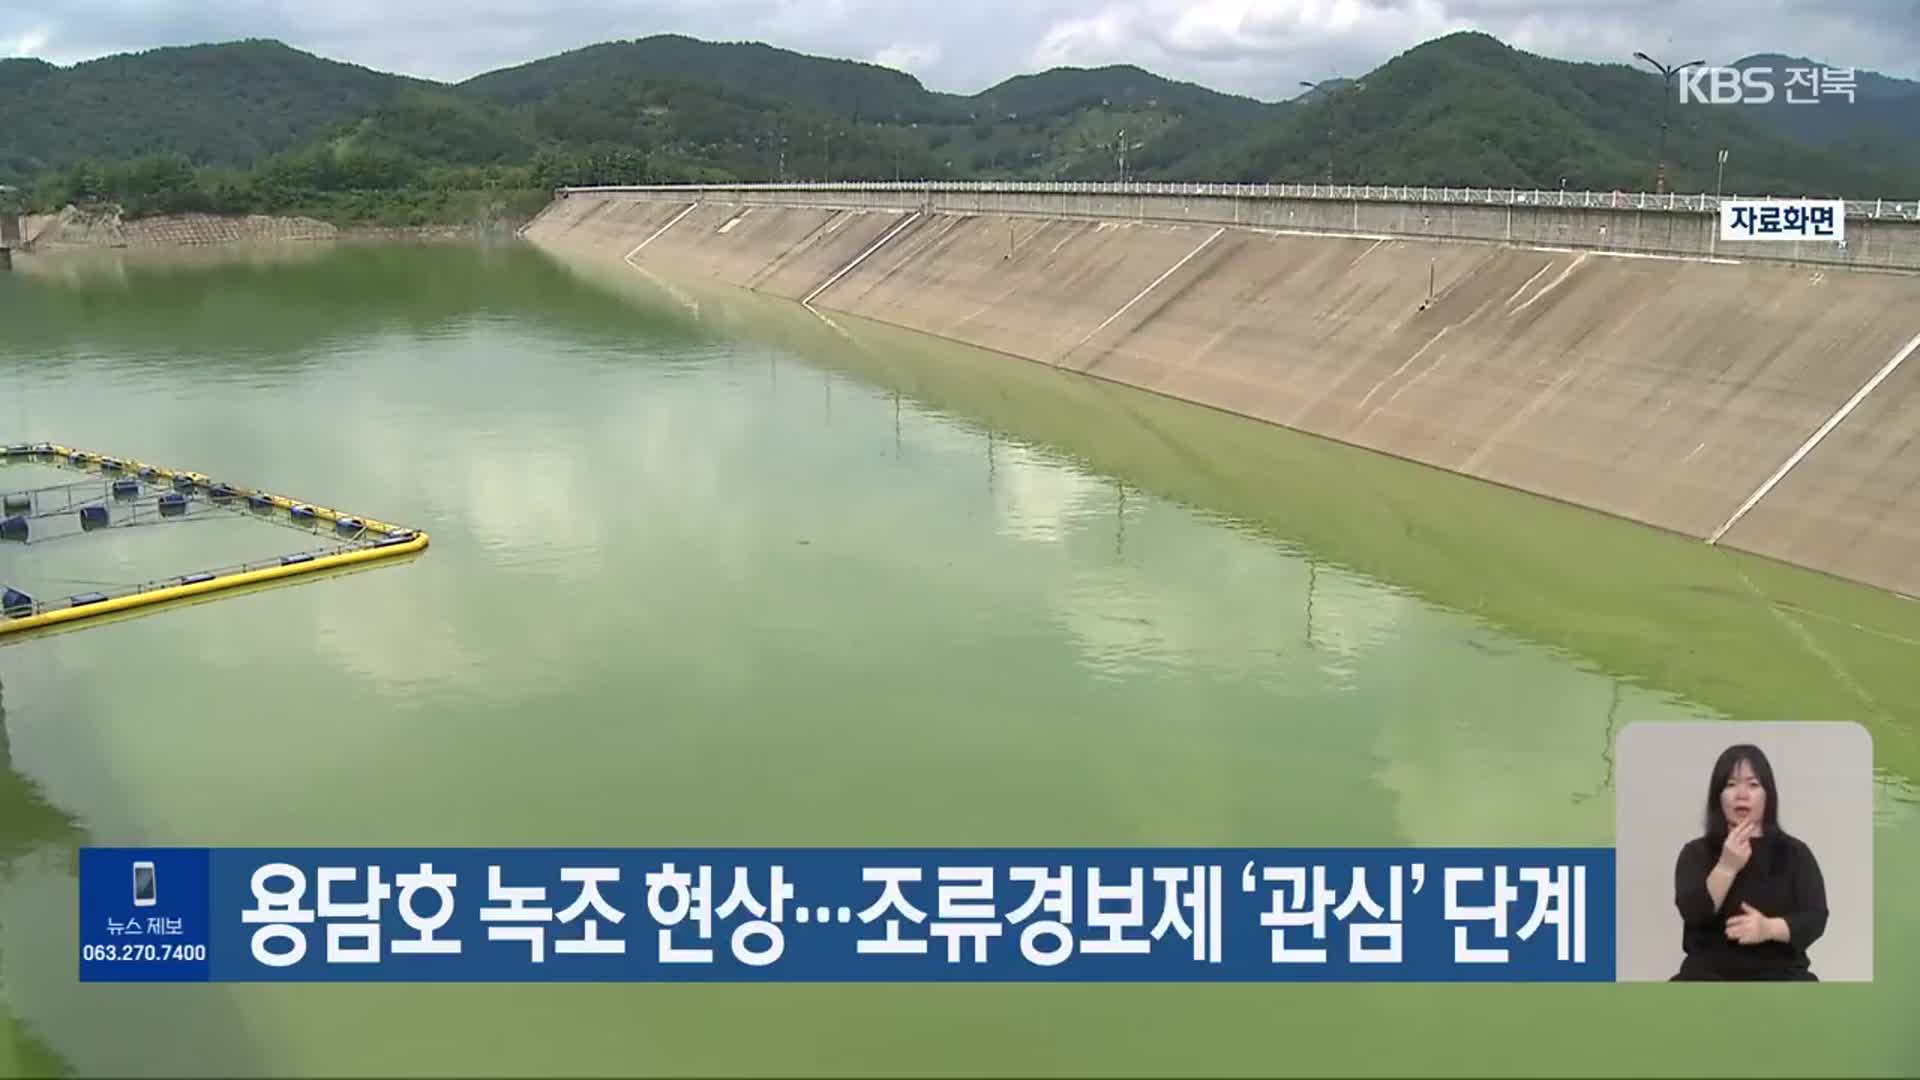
(1750, 896)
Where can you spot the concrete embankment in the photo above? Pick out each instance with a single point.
(1668, 391)
(105, 227)
(1881, 234)
(75, 228)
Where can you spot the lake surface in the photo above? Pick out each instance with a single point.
(710, 570)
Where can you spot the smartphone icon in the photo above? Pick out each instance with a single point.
(144, 892)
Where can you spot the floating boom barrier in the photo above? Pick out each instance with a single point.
(134, 493)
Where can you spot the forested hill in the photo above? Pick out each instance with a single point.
(228, 104)
(1469, 110)
(843, 87)
(1853, 106)
(848, 89)
(258, 126)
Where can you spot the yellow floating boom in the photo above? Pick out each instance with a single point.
(394, 541)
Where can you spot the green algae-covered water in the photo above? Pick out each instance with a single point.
(710, 570)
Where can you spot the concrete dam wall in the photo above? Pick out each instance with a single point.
(1881, 234)
(74, 227)
(1767, 406)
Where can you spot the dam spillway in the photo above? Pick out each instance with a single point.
(1742, 397)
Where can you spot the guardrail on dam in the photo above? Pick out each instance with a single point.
(1751, 403)
(1881, 233)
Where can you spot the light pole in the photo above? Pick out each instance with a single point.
(1666, 105)
(1333, 98)
(10, 226)
(1719, 175)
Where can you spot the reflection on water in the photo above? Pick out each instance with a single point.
(1637, 603)
(30, 829)
(29, 824)
(706, 571)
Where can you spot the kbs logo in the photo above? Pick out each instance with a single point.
(1757, 85)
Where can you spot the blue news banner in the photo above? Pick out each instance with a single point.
(847, 914)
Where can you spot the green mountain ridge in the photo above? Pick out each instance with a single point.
(847, 87)
(259, 126)
(1880, 109)
(1064, 89)
(1871, 84)
(1469, 110)
(226, 104)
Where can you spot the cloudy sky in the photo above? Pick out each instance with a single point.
(1258, 47)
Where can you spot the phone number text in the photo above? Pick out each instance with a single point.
(143, 953)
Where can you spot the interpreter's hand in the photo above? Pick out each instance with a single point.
(1739, 845)
(1749, 927)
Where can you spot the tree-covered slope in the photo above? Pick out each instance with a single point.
(1468, 110)
(226, 104)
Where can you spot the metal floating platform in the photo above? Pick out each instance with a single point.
(123, 493)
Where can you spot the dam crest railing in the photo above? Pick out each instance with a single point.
(1872, 209)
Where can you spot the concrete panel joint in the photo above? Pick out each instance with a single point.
(860, 258)
(1154, 284)
(1814, 439)
(656, 233)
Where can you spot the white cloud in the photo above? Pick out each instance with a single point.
(1266, 25)
(1258, 47)
(909, 58)
(1087, 41)
(25, 43)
